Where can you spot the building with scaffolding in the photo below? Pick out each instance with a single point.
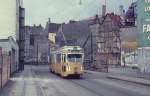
(106, 31)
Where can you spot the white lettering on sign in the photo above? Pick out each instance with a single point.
(147, 9)
(148, 37)
(146, 28)
(147, 1)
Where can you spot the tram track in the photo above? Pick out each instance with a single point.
(72, 81)
(77, 84)
(86, 87)
(96, 86)
(101, 88)
(44, 93)
(39, 87)
(38, 81)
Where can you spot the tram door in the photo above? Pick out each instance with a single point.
(63, 62)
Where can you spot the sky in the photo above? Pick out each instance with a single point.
(38, 11)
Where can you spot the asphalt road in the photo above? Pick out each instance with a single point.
(38, 81)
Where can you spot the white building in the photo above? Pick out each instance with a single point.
(11, 25)
(9, 17)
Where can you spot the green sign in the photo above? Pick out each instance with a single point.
(144, 23)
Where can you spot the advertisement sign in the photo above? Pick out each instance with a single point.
(144, 23)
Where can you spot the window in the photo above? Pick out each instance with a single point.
(52, 59)
(58, 58)
(64, 58)
(74, 57)
(31, 39)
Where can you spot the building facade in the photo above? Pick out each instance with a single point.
(12, 22)
(9, 26)
(11, 47)
(36, 45)
(52, 30)
(107, 37)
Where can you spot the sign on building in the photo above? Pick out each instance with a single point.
(144, 23)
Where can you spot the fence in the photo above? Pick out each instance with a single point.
(4, 67)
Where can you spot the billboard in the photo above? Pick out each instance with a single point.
(144, 23)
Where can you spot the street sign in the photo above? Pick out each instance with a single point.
(144, 23)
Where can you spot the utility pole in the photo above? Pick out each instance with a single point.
(37, 53)
(133, 14)
(92, 50)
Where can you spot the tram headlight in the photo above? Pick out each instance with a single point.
(81, 68)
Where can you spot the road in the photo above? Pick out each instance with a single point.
(38, 81)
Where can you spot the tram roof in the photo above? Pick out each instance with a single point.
(70, 49)
(67, 48)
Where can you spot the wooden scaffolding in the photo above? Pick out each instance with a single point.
(106, 33)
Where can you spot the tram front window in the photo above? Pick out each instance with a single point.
(74, 57)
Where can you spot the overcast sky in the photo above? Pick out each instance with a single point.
(38, 11)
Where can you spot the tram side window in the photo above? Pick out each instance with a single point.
(64, 58)
(52, 59)
(58, 58)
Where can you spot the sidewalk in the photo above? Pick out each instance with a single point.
(130, 79)
(126, 74)
(130, 75)
(129, 72)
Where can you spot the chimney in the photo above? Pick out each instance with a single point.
(103, 10)
(49, 20)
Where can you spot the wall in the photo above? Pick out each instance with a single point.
(7, 18)
(9, 25)
(144, 59)
(4, 68)
(9, 45)
(14, 55)
(129, 59)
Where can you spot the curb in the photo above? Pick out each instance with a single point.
(131, 79)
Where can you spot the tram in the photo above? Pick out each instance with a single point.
(67, 61)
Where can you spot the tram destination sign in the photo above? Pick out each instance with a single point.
(144, 23)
